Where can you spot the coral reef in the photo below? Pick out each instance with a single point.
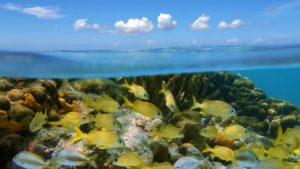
(21, 99)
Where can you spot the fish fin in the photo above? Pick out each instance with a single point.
(279, 135)
(195, 104)
(126, 84)
(127, 103)
(102, 148)
(92, 160)
(79, 135)
(55, 123)
(163, 88)
(103, 129)
(154, 133)
(169, 140)
(207, 148)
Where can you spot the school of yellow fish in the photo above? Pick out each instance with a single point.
(285, 152)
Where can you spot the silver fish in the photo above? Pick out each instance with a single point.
(68, 157)
(247, 159)
(192, 163)
(28, 160)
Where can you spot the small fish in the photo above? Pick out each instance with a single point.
(145, 108)
(168, 132)
(260, 152)
(246, 159)
(106, 122)
(38, 121)
(272, 163)
(102, 139)
(71, 119)
(221, 152)
(210, 131)
(192, 163)
(279, 152)
(191, 117)
(233, 132)
(215, 108)
(137, 90)
(169, 98)
(103, 103)
(28, 160)
(129, 160)
(163, 165)
(290, 136)
(73, 158)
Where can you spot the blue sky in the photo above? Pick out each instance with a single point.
(134, 24)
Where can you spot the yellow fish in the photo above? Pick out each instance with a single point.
(137, 90)
(260, 152)
(233, 132)
(106, 122)
(216, 108)
(103, 103)
(145, 108)
(191, 116)
(169, 98)
(102, 139)
(272, 163)
(71, 119)
(37, 122)
(210, 131)
(290, 136)
(163, 165)
(221, 152)
(279, 152)
(168, 132)
(129, 160)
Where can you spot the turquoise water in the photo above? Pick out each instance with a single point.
(275, 69)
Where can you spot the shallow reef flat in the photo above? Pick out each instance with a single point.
(107, 122)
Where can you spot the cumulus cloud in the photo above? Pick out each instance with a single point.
(134, 26)
(233, 25)
(165, 22)
(259, 40)
(232, 40)
(82, 24)
(201, 23)
(41, 12)
(151, 42)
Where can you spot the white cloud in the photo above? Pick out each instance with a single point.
(201, 23)
(259, 40)
(37, 11)
(232, 40)
(81, 24)
(166, 22)
(134, 26)
(151, 42)
(233, 25)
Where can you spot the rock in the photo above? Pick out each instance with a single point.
(20, 112)
(4, 103)
(15, 94)
(5, 85)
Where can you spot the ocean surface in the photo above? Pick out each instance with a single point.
(275, 69)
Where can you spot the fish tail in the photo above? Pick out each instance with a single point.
(163, 88)
(55, 123)
(195, 104)
(154, 133)
(126, 84)
(92, 160)
(279, 135)
(79, 135)
(127, 103)
(207, 148)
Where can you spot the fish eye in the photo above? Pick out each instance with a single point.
(119, 107)
(232, 110)
(114, 123)
(120, 141)
(180, 133)
(177, 166)
(84, 118)
(158, 113)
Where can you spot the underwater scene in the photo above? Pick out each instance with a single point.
(153, 85)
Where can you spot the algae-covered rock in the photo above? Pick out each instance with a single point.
(5, 85)
(4, 103)
(20, 112)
